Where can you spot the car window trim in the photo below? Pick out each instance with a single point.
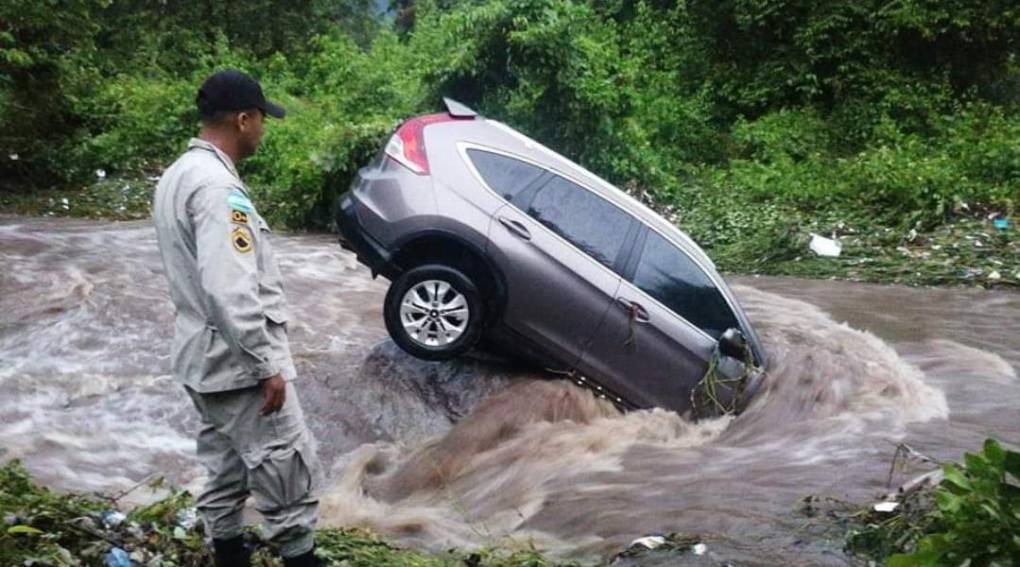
(760, 355)
(639, 253)
(463, 147)
(536, 186)
(623, 259)
(631, 221)
(529, 193)
(636, 249)
(539, 180)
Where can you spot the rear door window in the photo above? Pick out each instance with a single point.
(669, 275)
(504, 175)
(588, 221)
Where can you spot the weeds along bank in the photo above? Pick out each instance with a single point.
(46, 528)
(751, 122)
(971, 515)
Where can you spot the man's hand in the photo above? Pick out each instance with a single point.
(274, 392)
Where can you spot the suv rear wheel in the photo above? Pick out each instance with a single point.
(434, 312)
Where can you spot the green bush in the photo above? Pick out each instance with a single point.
(342, 102)
(141, 121)
(45, 528)
(978, 517)
(903, 179)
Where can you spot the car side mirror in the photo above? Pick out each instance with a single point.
(733, 344)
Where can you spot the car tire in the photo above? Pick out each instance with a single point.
(425, 315)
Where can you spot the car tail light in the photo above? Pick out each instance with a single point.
(407, 145)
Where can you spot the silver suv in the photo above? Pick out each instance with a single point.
(484, 232)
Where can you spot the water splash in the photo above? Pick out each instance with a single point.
(482, 482)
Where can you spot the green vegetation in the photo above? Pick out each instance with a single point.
(752, 123)
(44, 528)
(971, 518)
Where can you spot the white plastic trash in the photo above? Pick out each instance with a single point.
(187, 517)
(887, 506)
(112, 518)
(651, 542)
(699, 549)
(825, 246)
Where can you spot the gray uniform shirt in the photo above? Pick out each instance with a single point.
(230, 330)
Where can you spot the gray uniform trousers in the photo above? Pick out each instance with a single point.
(271, 457)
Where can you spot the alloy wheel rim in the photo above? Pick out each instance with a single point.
(434, 314)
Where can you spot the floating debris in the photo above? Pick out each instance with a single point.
(657, 544)
(651, 542)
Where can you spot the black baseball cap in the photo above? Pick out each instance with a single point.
(231, 90)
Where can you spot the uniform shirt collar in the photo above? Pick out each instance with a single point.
(209, 146)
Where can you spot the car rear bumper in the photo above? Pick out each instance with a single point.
(355, 238)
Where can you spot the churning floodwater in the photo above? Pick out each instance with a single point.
(479, 452)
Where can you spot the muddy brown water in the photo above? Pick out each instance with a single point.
(480, 452)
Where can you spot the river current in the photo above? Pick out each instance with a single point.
(480, 452)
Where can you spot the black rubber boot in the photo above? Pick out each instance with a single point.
(304, 560)
(232, 552)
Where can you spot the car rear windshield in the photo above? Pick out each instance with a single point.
(666, 273)
(505, 175)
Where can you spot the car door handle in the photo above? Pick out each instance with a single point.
(515, 227)
(634, 308)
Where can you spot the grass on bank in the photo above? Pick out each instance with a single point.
(971, 517)
(41, 527)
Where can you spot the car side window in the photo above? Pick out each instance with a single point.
(505, 175)
(669, 275)
(591, 223)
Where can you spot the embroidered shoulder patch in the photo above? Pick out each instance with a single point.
(239, 217)
(241, 240)
(240, 202)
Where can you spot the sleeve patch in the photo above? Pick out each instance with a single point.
(239, 217)
(240, 202)
(241, 240)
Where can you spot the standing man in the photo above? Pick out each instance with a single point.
(230, 347)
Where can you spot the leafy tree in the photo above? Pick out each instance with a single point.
(45, 69)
